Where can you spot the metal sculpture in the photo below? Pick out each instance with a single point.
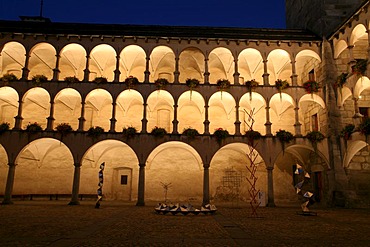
(307, 195)
(100, 185)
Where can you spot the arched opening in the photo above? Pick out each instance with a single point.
(72, 61)
(160, 110)
(98, 109)
(9, 105)
(222, 112)
(191, 65)
(67, 107)
(129, 110)
(221, 65)
(190, 112)
(36, 107)
(132, 62)
(42, 60)
(12, 59)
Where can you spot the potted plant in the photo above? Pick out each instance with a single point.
(158, 132)
(161, 83)
(347, 131)
(71, 79)
(94, 132)
(37, 80)
(129, 132)
(100, 79)
(284, 137)
(252, 84)
(63, 129)
(33, 127)
(130, 81)
(311, 86)
(339, 83)
(4, 127)
(8, 78)
(220, 134)
(190, 133)
(252, 136)
(315, 137)
(364, 127)
(192, 83)
(360, 67)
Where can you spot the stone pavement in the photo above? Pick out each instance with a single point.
(54, 223)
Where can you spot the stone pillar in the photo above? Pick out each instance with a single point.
(144, 121)
(177, 72)
(265, 75)
(117, 72)
(294, 73)
(206, 121)
(76, 185)
(237, 121)
(357, 116)
(19, 118)
(352, 61)
(113, 120)
(268, 123)
(206, 72)
(50, 122)
(205, 184)
(270, 188)
(147, 71)
(56, 71)
(9, 184)
(297, 124)
(86, 70)
(25, 70)
(236, 72)
(141, 186)
(81, 120)
(175, 122)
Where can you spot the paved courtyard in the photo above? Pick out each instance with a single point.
(54, 223)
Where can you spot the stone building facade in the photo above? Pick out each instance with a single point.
(86, 68)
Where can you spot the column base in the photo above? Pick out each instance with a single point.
(140, 204)
(7, 202)
(72, 203)
(271, 205)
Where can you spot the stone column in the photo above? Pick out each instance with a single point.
(76, 185)
(265, 74)
(297, 125)
(56, 71)
(176, 73)
(86, 70)
(25, 70)
(206, 121)
(237, 121)
(294, 73)
(9, 184)
(352, 61)
(236, 72)
(81, 120)
(147, 71)
(175, 122)
(206, 72)
(144, 121)
(141, 186)
(270, 188)
(113, 120)
(50, 122)
(117, 72)
(268, 123)
(19, 118)
(205, 184)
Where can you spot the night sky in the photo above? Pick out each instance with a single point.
(225, 13)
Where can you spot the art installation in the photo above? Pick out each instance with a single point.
(100, 185)
(307, 195)
(184, 209)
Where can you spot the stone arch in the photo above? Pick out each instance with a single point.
(359, 40)
(120, 162)
(42, 60)
(279, 65)
(228, 174)
(250, 66)
(102, 62)
(3, 168)
(221, 112)
(72, 61)
(282, 115)
(306, 61)
(129, 109)
(98, 109)
(160, 110)
(339, 47)
(9, 105)
(353, 147)
(12, 59)
(255, 103)
(44, 166)
(132, 62)
(67, 107)
(178, 164)
(358, 33)
(162, 63)
(191, 64)
(190, 112)
(362, 84)
(36, 106)
(343, 94)
(221, 65)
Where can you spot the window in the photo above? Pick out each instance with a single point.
(364, 111)
(314, 122)
(311, 75)
(123, 179)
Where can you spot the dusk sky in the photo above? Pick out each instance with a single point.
(231, 13)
